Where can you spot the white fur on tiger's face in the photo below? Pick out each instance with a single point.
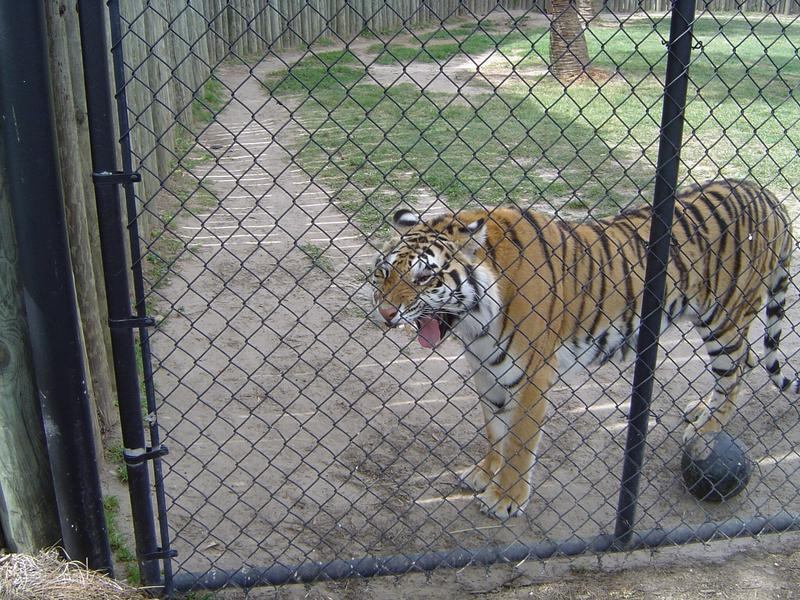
(441, 286)
(524, 290)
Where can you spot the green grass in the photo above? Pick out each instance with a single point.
(324, 42)
(452, 24)
(448, 33)
(210, 100)
(725, 105)
(117, 460)
(492, 152)
(118, 541)
(161, 255)
(320, 71)
(586, 147)
(471, 42)
(317, 258)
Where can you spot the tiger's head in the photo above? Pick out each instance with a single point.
(435, 276)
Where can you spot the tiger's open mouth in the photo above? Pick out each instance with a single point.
(431, 329)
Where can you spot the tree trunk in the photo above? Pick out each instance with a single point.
(587, 12)
(569, 56)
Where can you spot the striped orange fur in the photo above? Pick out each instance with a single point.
(529, 294)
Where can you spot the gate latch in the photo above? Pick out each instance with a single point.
(159, 554)
(139, 455)
(115, 177)
(132, 322)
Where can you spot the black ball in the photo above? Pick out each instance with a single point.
(721, 473)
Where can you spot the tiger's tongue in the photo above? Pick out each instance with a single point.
(429, 333)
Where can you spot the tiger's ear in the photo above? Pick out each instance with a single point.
(405, 218)
(476, 235)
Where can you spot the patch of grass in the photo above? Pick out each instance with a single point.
(181, 194)
(197, 156)
(209, 101)
(317, 73)
(184, 141)
(167, 218)
(117, 459)
(317, 258)
(381, 32)
(212, 98)
(161, 254)
(395, 53)
(577, 204)
(474, 43)
(203, 198)
(370, 211)
(489, 152)
(448, 33)
(324, 42)
(118, 542)
(595, 144)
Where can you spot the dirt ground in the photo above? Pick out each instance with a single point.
(763, 573)
(300, 431)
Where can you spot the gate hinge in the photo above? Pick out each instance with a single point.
(115, 177)
(132, 322)
(160, 554)
(140, 455)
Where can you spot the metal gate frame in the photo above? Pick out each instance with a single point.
(122, 321)
(137, 454)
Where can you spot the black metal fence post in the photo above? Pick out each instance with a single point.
(26, 111)
(669, 150)
(112, 241)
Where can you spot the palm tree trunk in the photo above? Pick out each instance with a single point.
(587, 12)
(569, 56)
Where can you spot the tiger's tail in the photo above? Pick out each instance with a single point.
(778, 283)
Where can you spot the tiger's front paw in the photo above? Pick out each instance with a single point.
(696, 416)
(503, 504)
(477, 477)
(702, 424)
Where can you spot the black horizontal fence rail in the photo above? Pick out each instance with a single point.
(463, 557)
(273, 142)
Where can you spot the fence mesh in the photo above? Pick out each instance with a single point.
(278, 138)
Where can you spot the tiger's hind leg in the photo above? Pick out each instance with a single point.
(729, 350)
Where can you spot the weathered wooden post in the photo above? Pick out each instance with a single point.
(46, 280)
(27, 504)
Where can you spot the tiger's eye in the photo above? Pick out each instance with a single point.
(423, 276)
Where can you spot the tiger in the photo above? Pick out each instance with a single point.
(530, 295)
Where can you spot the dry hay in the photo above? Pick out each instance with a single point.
(46, 576)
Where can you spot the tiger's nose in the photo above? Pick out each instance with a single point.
(388, 313)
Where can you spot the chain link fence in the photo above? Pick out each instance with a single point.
(278, 138)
